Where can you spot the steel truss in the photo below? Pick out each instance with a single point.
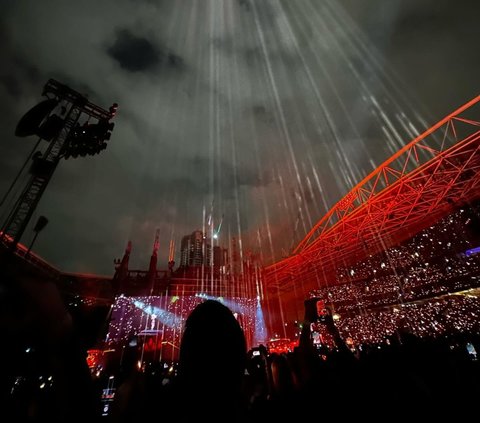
(423, 182)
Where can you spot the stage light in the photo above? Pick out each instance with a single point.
(113, 110)
(164, 316)
(260, 329)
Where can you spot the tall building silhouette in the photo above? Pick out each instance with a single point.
(220, 259)
(195, 250)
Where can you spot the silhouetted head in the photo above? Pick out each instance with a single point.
(282, 379)
(212, 351)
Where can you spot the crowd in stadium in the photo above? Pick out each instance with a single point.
(410, 285)
(403, 330)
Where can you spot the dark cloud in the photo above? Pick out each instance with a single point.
(17, 73)
(424, 42)
(262, 114)
(192, 180)
(11, 85)
(14, 81)
(244, 4)
(139, 54)
(439, 16)
(134, 53)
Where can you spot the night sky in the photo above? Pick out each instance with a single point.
(255, 116)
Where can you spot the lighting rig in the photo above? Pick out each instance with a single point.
(72, 126)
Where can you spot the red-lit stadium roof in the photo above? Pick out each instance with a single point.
(426, 180)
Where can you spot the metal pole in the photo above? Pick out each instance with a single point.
(31, 244)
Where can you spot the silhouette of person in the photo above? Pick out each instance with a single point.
(44, 343)
(211, 365)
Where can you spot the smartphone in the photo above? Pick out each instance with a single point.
(255, 352)
(322, 311)
(316, 309)
(316, 338)
(471, 351)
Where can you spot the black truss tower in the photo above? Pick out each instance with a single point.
(74, 105)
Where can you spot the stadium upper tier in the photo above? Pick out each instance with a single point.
(430, 177)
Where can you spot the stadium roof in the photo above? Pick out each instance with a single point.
(423, 182)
